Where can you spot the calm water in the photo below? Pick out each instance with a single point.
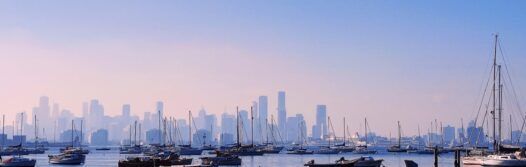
(110, 158)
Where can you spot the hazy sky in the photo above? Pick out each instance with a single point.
(413, 61)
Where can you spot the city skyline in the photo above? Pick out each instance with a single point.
(382, 61)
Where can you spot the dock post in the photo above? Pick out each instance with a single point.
(457, 158)
(435, 152)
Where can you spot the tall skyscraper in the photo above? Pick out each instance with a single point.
(282, 113)
(126, 111)
(160, 108)
(263, 114)
(321, 120)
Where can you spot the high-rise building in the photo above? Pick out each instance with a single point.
(282, 113)
(263, 114)
(99, 137)
(296, 129)
(321, 122)
(449, 134)
(126, 109)
(228, 124)
(160, 108)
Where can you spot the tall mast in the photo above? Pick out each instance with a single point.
(511, 131)
(500, 106)
(366, 132)
(252, 126)
(399, 135)
(495, 145)
(441, 134)
(237, 126)
(36, 132)
(343, 131)
(159, 122)
(81, 135)
(266, 129)
(139, 133)
(21, 127)
(129, 127)
(72, 141)
(3, 131)
(135, 134)
(190, 127)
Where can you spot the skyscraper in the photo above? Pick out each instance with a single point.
(160, 108)
(263, 114)
(321, 121)
(126, 111)
(282, 113)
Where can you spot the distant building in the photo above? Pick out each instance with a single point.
(263, 114)
(153, 136)
(227, 138)
(320, 129)
(449, 134)
(67, 135)
(99, 137)
(200, 137)
(297, 131)
(476, 135)
(282, 113)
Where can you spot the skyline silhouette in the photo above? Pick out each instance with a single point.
(362, 59)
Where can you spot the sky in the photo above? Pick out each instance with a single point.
(411, 61)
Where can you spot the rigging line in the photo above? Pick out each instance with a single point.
(482, 125)
(483, 96)
(509, 74)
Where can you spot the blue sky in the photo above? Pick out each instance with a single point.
(361, 58)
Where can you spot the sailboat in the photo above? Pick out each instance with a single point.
(270, 147)
(398, 147)
(37, 149)
(363, 149)
(17, 160)
(188, 149)
(328, 149)
(245, 150)
(344, 148)
(71, 156)
(299, 150)
(502, 155)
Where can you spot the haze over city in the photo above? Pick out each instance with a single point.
(416, 62)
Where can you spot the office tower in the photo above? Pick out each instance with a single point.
(160, 108)
(56, 111)
(228, 124)
(295, 128)
(282, 113)
(449, 134)
(263, 114)
(96, 115)
(244, 124)
(321, 121)
(126, 111)
(99, 137)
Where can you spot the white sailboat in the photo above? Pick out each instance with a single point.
(500, 157)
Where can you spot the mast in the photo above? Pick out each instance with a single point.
(237, 126)
(190, 127)
(495, 145)
(131, 135)
(365, 132)
(81, 135)
(159, 119)
(72, 138)
(252, 126)
(441, 134)
(21, 127)
(135, 134)
(399, 135)
(36, 132)
(139, 133)
(344, 131)
(266, 129)
(3, 132)
(511, 131)
(500, 106)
